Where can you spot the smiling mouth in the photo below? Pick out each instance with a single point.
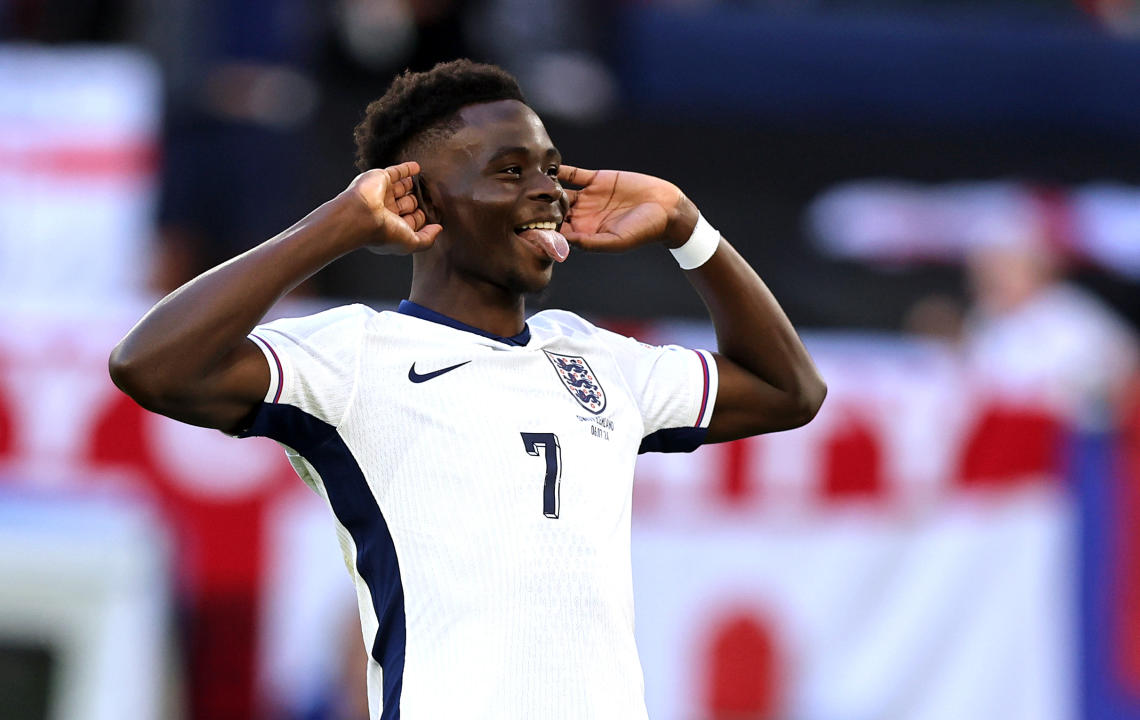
(544, 236)
(548, 225)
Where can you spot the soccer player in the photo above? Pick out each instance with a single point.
(478, 464)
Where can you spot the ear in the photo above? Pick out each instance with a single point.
(424, 198)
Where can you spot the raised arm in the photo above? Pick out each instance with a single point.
(189, 357)
(768, 381)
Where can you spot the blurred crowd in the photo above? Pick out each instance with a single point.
(259, 98)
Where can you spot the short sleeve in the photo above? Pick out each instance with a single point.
(312, 364)
(675, 389)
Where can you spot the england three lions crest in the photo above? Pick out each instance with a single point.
(580, 380)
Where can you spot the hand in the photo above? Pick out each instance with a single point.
(395, 224)
(615, 211)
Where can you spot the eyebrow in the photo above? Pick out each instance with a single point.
(520, 150)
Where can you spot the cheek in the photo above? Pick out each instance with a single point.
(473, 210)
(492, 205)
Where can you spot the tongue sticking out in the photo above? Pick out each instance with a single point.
(550, 242)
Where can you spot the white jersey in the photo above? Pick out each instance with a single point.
(481, 488)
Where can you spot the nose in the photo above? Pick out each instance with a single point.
(545, 189)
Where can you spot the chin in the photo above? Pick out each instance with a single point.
(532, 282)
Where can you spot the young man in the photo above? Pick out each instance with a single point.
(479, 465)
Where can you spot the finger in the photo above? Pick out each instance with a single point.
(402, 187)
(415, 219)
(403, 170)
(572, 196)
(402, 205)
(575, 176)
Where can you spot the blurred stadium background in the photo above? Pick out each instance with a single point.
(945, 194)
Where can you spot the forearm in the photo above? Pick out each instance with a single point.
(183, 339)
(751, 327)
(769, 381)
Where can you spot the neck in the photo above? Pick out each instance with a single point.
(487, 307)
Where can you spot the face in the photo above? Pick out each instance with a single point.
(492, 176)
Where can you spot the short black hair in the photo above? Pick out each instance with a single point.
(423, 106)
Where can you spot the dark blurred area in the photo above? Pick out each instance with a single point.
(753, 108)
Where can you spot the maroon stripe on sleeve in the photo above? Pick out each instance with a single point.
(705, 393)
(281, 372)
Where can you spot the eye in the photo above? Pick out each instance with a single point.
(552, 171)
(513, 170)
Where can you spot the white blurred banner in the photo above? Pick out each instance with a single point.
(78, 171)
(894, 221)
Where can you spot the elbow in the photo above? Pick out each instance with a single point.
(816, 396)
(132, 375)
(808, 401)
(125, 372)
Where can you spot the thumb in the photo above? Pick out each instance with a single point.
(591, 242)
(426, 235)
(430, 232)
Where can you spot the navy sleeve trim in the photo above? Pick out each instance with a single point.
(682, 439)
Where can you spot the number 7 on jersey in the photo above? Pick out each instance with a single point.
(548, 444)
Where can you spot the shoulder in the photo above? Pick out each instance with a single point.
(567, 328)
(344, 322)
(563, 322)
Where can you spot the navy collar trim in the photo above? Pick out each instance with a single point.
(407, 307)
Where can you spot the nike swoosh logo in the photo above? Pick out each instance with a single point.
(418, 378)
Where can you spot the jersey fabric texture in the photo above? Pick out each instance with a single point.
(481, 488)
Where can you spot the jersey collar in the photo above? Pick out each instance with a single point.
(407, 307)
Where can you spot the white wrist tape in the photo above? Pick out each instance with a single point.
(699, 247)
